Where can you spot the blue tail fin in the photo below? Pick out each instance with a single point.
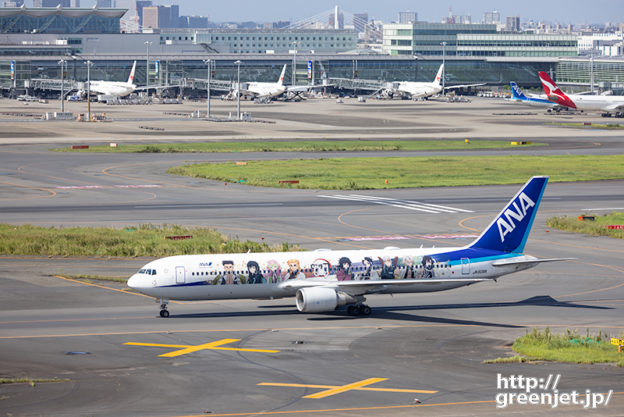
(510, 229)
(516, 92)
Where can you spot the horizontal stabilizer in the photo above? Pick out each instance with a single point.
(516, 261)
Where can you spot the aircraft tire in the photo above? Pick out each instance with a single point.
(365, 310)
(164, 313)
(352, 310)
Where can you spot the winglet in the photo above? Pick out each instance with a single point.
(553, 92)
(510, 229)
(131, 78)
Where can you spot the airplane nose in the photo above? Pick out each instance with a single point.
(135, 282)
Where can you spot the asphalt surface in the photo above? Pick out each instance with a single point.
(424, 347)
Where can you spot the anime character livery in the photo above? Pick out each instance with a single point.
(323, 281)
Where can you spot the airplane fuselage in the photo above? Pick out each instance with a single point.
(119, 89)
(206, 277)
(418, 89)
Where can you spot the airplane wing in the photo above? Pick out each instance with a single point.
(371, 286)
(463, 86)
(615, 106)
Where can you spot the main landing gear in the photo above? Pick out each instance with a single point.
(358, 309)
(164, 313)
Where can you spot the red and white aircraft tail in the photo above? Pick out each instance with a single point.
(131, 78)
(553, 92)
(281, 78)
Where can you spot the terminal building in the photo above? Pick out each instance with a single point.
(30, 56)
(472, 40)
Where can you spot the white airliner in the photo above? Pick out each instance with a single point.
(115, 88)
(416, 89)
(262, 89)
(582, 102)
(325, 280)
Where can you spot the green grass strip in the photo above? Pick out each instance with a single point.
(597, 227)
(303, 146)
(90, 278)
(31, 381)
(568, 347)
(146, 240)
(610, 126)
(404, 172)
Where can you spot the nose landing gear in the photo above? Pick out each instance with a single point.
(164, 313)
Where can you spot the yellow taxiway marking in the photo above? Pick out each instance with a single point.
(186, 349)
(329, 390)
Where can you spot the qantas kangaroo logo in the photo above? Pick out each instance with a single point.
(506, 222)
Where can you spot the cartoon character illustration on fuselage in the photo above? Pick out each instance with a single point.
(427, 267)
(254, 274)
(343, 273)
(274, 272)
(294, 270)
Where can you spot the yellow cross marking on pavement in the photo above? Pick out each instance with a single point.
(186, 349)
(329, 390)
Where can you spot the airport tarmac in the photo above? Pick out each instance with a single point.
(422, 346)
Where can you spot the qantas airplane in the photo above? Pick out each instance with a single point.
(606, 104)
(518, 96)
(416, 89)
(115, 88)
(326, 280)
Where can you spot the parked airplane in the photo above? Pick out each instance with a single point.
(263, 89)
(324, 280)
(417, 89)
(115, 88)
(582, 102)
(518, 96)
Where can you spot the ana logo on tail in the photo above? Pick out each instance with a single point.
(506, 225)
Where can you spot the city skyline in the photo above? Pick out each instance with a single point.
(555, 11)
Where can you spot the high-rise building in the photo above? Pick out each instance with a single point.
(161, 16)
(512, 24)
(407, 17)
(140, 4)
(104, 4)
(360, 20)
(491, 18)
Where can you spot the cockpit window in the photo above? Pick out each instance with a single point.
(141, 271)
(153, 272)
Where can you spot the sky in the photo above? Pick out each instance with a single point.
(555, 11)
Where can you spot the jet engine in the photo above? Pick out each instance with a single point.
(319, 299)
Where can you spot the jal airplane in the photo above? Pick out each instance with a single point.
(115, 88)
(326, 280)
(416, 89)
(605, 104)
(519, 97)
(261, 89)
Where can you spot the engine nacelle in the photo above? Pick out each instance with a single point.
(318, 299)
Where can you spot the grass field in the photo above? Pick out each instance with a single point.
(303, 146)
(610, 126)
(403, 172)
(146, 240)
(597, 227)
(568, 347)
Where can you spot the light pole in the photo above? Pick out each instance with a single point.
(62, 63)
(238, 92)
(443, 67)
(294, 65)
(89, 90)
(208, 63)
(147, 45)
